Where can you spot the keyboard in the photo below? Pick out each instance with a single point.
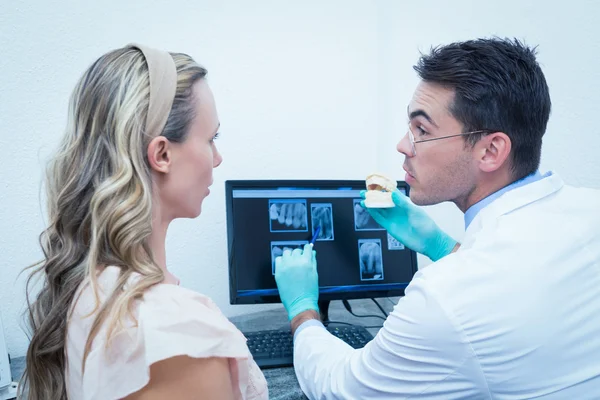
(275, 348)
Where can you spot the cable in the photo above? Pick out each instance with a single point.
(347, 306)
(326, 323)
(381, 308)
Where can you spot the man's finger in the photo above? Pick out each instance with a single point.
(400, 199)
(375, 213)
(277, 264)
(307, 253)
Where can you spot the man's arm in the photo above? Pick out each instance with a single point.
(418, 352)
(302, 318)
(412, 226)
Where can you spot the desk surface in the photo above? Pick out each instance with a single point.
(283, 384)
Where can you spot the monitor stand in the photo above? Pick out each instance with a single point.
(324, 310)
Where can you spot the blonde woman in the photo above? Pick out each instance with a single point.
(110, 321)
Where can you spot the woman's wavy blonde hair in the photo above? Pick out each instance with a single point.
(99, 195)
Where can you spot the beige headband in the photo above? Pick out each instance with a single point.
(163, 84)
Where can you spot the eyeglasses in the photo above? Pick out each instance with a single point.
(411, 137)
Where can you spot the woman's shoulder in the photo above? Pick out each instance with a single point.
(168, 308)
(160, 297)
(185, 321)
(167, 295)
(167, 321)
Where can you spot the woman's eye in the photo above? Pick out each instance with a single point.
(215, 137)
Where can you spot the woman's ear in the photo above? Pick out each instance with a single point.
(159, 154)
(494, 150)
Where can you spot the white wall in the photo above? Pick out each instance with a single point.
(305, 90)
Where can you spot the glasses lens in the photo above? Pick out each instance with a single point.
(411, 138)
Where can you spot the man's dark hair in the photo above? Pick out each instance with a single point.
(499, 86)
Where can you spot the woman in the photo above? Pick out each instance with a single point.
(110, 321)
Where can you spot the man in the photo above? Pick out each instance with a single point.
(513, 312)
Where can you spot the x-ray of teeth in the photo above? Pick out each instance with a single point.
(288, 215)
(363, 220)
(278, 247)
(322, 216)
(393, 244)
(370, 260)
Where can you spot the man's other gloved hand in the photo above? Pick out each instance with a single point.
(297, 280)
(411, 226)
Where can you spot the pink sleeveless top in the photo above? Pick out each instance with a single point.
(171, 321)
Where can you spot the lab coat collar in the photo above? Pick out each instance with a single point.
(477, 207)
(517, 198)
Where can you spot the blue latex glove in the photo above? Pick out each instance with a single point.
(411, 226)
(297, 280)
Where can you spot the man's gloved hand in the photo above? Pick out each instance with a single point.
(411, 226)
(297, 280)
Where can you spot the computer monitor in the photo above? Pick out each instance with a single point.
(356, 257)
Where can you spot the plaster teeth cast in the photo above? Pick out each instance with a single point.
(379, 191)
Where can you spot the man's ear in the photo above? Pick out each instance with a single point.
(494, 151)
(159, 154)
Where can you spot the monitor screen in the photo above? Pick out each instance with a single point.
(356, 257)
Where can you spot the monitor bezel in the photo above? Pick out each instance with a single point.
(230, 185)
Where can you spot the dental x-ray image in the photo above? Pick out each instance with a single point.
(288, 215)
(370, 260)
(321, 215)
(278, 247)
(363, 220)
(393, 244)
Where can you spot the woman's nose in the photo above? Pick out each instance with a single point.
(217, 158)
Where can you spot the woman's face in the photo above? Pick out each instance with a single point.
(191, 162)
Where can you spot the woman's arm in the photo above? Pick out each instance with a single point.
(184, 378)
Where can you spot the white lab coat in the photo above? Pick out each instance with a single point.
(514, 314)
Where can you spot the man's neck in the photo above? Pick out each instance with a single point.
(489, 184)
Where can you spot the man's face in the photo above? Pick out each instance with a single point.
(442, 170)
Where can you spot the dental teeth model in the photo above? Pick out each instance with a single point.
(379, 191)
